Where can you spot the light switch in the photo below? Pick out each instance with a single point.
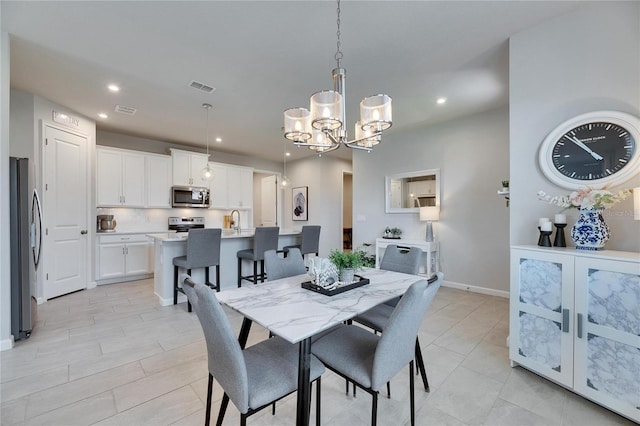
(361, 218)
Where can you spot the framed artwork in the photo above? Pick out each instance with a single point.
(300, 201)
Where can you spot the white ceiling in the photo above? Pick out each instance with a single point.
(263, 57)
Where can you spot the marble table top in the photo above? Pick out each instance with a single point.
(294, 313)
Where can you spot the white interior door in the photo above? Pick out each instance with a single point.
(268, 201)
(66, 241)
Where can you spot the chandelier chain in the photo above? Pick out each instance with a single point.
(338, 55)
(207, 107)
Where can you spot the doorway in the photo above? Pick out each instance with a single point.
(347, 211)
(265, 199)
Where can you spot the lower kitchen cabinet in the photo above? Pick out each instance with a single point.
(123, 258)
(575, 319)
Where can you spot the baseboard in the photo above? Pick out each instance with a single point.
(92, 284)
(166, 302)
(476, 289)
(6, 344)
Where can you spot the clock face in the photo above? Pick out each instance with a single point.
(594, 149)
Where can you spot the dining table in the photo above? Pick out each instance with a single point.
(297, 314)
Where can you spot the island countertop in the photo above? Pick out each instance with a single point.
(226, 234)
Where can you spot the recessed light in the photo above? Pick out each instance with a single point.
(440, 101)
(113, 88)
(287, 154)
(218, 140)
(103, 115)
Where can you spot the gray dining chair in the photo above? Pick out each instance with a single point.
(203, 251)
(398, 259)
(309, 241)
(370, 360)
(252, 378)
(278, 267)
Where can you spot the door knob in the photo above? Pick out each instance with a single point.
(84, 231)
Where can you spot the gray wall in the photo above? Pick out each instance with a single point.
(472, 154)
(323, 176)
(585, 61)
(5, 257)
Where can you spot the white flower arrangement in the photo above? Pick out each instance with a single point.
(588, 198)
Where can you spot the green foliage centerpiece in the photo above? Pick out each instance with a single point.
(347, 263)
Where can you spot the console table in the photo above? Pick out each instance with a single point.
(430, 252)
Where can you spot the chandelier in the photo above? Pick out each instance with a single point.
(323, 128)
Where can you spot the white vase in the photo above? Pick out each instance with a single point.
(347, 276)
(590, 232)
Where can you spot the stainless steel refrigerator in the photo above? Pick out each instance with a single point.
(23, 241)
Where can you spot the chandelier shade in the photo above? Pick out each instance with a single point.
(325, 128)
(297, 124)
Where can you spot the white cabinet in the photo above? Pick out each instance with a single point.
(187, 167)
(123, 257)
(120, 178)
(231, 187)
(575, 318)
(158, 181)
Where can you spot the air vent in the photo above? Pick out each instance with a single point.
(125, 110)
(201, 86)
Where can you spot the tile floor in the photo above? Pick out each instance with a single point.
(112, 356)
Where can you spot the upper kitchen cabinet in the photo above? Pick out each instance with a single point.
(187, 167)
(120, 178)
(158, 181)
(231, 187)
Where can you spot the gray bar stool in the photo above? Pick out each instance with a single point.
(309, 241)
(265, 238)
(203, 251)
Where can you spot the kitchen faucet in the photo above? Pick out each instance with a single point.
(236, 224)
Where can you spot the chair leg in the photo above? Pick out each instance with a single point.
(389, 390)
(318, 388)
(218, 278)
(243, 420)
(223, 409)
(412, 395)
(188, 303)
(207, 417)
(374, 408)
(255, 272)
(175, 285)
(421, 369)
(239, 272)
(262, 271)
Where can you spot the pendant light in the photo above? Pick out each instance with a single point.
(207, 172)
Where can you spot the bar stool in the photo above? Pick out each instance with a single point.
(265, 238)
(309, 241)
(203, 251)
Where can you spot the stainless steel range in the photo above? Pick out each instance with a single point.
(183, 224)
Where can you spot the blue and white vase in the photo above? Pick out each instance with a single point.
(590, 231)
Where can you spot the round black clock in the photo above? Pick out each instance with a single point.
(594, 149)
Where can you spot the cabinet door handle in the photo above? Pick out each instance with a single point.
(83, 232)
(565, 320)
(580, 326)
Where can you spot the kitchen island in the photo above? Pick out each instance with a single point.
(168, 245)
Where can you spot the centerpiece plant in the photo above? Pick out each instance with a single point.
(347, 263)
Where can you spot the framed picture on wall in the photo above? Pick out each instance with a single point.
(300, 201)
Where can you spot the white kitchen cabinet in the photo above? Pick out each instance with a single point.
(158, 181)
(187, 167)
(575, 319)
(218, 186)
(123, 257)
(231, 187)
(240, 187)
(120, 178)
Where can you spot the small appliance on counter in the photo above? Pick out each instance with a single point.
(183, 224)
(106, 223)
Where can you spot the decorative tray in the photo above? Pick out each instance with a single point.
(311, 286)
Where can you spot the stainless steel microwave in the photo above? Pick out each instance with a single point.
(190, 196)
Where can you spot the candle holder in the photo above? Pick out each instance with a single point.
(540, 237)
(544, 240)
(559, 240)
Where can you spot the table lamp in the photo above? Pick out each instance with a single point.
(429, 214)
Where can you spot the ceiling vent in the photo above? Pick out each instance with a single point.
(125, 110)
(201, 86)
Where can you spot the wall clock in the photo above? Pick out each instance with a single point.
(593, 149)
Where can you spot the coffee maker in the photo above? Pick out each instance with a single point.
(106, 223)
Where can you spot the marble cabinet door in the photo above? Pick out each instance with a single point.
(607, 345)
(541, 309)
